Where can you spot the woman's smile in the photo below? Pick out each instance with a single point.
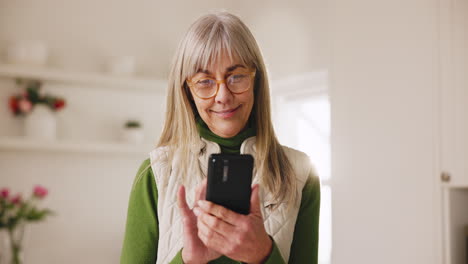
(226, 113)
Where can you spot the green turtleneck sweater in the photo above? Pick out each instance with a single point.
(228, 145)
(141, 235)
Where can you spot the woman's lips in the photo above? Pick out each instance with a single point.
(226, 113)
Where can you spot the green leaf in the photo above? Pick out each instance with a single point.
(37, 215)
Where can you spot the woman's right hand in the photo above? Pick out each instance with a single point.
(194, 250)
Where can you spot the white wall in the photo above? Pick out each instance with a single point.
(384, 120)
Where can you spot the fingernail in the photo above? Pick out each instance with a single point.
(196, 211)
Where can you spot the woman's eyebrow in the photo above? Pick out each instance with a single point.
(228, 69)
(233, 67)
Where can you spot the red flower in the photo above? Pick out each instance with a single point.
(16, 199)
(4, 193)
(59, 104)
(40, 192)
(13, 103)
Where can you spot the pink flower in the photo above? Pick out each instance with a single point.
(40, 192)
(25, 105)
(16, 199)
(4, 193)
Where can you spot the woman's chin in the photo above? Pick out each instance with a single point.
(226, 129)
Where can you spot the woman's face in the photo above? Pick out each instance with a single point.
(226, 114)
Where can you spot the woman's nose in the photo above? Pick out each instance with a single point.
(224, 95)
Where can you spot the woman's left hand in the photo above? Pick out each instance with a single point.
(239, 237)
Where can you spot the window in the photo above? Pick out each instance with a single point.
(301, 115)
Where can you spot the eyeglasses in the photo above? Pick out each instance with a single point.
(238, 82)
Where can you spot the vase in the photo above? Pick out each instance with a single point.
(11, 248)
(132, 135)
(4, 245)
(40, 123)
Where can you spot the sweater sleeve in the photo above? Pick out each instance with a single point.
(275, 256)
(178, 258)
(304, 248)
(141, 233)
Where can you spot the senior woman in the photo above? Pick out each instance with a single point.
(218, 102)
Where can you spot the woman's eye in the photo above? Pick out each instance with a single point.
(204, 82)
(237, 77)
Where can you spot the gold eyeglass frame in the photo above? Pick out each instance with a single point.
(218, 82)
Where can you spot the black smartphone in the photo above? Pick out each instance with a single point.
(229, 181)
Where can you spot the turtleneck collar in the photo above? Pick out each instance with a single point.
(228, 145)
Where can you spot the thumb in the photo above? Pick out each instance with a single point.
(255, 201)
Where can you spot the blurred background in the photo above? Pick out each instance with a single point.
(375, 92)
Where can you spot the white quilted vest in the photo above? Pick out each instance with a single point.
(279, 223)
